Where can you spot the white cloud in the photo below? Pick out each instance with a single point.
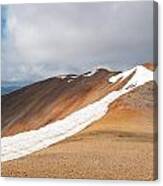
(48, 39)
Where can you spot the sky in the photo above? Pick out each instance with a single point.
(44, 40)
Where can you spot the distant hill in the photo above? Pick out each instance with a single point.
(8, 87)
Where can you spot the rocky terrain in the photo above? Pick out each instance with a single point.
(120, 145)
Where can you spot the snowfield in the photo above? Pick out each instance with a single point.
(25, 143)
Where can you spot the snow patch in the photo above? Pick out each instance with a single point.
(121, 76)
(61, 76)
(69, 80)
(73, 76)
(25, 143)
(90, 73)
(105, 67)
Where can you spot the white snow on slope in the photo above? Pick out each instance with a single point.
(69, 80)
(122, 76)
(91, 73)
(61, 76)
(25, 143)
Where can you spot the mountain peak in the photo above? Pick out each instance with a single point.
(150, 66)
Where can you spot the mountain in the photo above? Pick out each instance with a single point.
(104, 121)
(150, 66)
(38, 104)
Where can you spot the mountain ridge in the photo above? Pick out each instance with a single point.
(78, 120)
(103, 126)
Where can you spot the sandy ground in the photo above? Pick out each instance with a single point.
(121, 145)
(109, 149)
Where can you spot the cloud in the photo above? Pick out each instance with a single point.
(48, 39)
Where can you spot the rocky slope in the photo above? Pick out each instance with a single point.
(37, 105)
(112, 147)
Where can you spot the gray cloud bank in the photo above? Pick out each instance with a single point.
(50, 39)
